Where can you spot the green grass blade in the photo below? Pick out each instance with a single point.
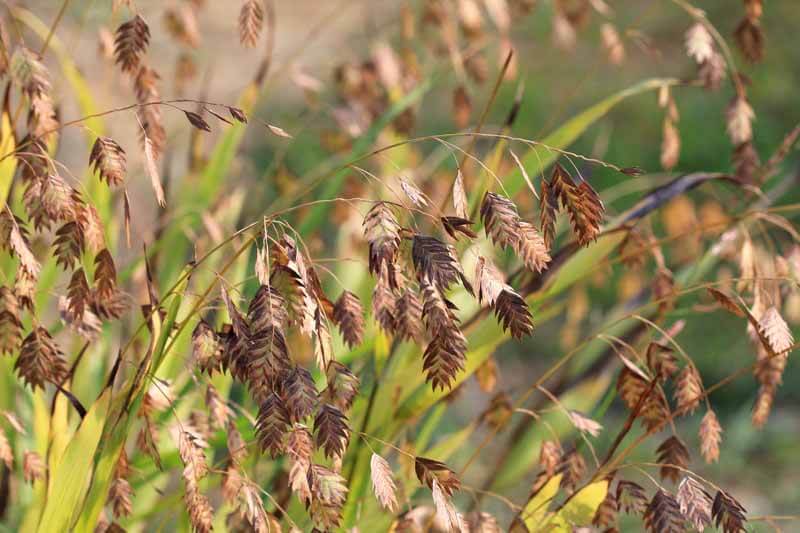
(68, 483)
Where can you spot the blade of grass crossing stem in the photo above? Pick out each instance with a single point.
(104, 469)
(69, 481)
(536, 508)
(115, 433)
(116, 430)
(172, 314)
(579, 510)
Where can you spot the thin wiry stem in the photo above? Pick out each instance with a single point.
(53, 26)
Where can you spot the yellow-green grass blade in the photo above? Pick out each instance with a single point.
(536, 508)
(579, 510)
(69, 481)
(9, 164)
(118, 425)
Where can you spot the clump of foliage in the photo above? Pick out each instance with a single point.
(224, 377)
